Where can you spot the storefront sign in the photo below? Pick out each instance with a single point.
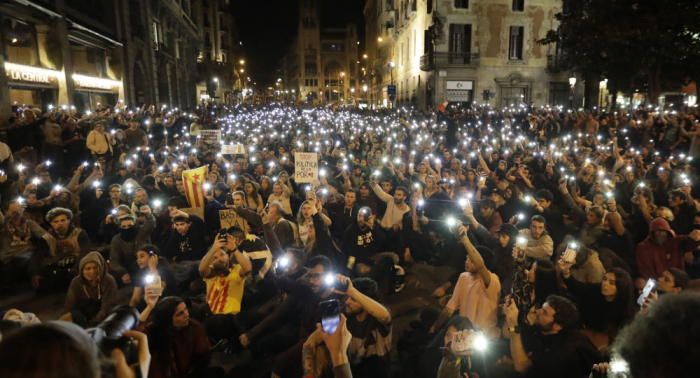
(17, 73)
(460, 85)
(87, 83)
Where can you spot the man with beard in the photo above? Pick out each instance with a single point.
(16, 245)
(395, 206)
(169, 189)
(368, 321)
(342, 214)
(539, 243)
(225, 282)
(111, 202)
(663, 249)
(476, 292)
(55, 262)
(552, 347)
(125, 245)
(366, 198)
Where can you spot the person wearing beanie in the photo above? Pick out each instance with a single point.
(663, 249)
(92, 294)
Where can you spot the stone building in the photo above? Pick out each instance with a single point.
(59, 54)
(161, 45)
(220, 64)
(482, 51)
(322, 64)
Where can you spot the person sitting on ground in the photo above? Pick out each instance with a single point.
(122, 250)
(179, 345)
(17, 243)
(663, 249)
(225, 283)
(370, 324)
(477, 290)
(186, 246)
(55, 262)
(92, 294)
(605, 307)
(150, 267)
(552, 347)
(539, 243)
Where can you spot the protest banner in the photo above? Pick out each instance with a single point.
(230, 218)
(209, 137)
(233, 149)
(305, 167)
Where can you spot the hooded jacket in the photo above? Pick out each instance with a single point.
(540, 248)
(105, 290)
(653, 259)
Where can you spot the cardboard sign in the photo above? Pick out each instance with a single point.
(305, 167)
(233, 149)
(209, 137)
(229, 218)
(198, 211)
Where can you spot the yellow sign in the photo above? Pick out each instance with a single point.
(230, 218)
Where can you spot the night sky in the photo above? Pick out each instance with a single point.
(267, 27)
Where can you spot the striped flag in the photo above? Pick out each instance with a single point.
(193, 180)
(444, 104)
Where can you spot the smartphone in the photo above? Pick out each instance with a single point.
(223, 234)
(648, 288)
(569, 255)
(520, 245)
(330, 315)
(229, 199)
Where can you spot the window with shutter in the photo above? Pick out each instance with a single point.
(515, 49)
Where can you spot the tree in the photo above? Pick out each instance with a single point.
(631, 42)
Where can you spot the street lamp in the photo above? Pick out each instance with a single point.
(380, 39)
(242, 61)
(364, 56)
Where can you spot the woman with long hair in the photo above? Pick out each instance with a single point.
(532, 287)
(605, 307)
(252, 198)
(179, 345)
(265, 188)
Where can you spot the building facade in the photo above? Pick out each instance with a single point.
(466, 51)
(220, 64)
(322, 64)
(59, 54)
(86, 54)
(161, 44)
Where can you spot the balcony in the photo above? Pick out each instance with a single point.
(310, 54)
(433, 60)
(556, 63)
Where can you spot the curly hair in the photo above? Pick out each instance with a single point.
(57, 211)
(663, 342)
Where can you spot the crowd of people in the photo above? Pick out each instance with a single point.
(535, 229)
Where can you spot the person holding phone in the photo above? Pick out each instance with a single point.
(225, 282)
(477, 290)
(606, 307)
(552, 347)
(370, 325)
(664, 249)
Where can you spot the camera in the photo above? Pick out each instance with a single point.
(108, 335)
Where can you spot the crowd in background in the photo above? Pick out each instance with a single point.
(481, 208)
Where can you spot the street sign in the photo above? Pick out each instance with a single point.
(391, 89)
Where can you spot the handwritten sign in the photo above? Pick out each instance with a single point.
(210, 137)
(230, 218)
(305, 167)
(233, 149)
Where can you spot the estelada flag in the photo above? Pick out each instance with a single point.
(194, 180)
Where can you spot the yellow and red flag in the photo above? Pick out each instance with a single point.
(194, 180)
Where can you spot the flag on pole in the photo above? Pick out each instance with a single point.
(444, 104)
(193, 181)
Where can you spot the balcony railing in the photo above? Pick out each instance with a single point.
(432, 60)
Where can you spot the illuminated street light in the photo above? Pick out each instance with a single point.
(380, 39)
(242, 61)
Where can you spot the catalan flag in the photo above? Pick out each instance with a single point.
(193, 180)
